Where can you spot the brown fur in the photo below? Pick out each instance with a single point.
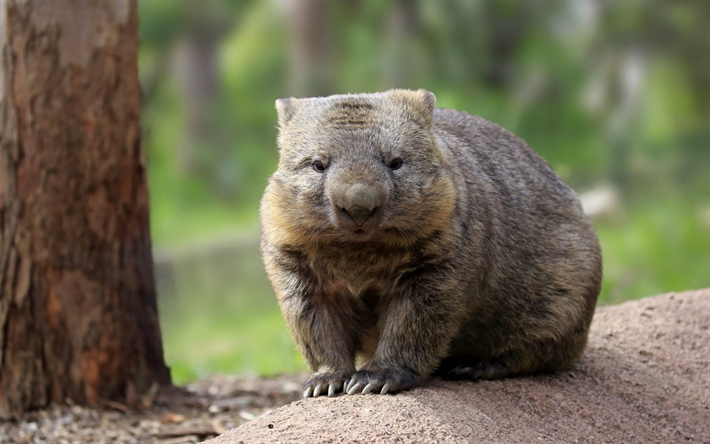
(477, 261)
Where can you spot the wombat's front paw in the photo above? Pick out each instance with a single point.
(331, 380)
(382, 381)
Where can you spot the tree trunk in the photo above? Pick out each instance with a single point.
(400, 68)
(310, 58)
(197, 80)
(78, 314)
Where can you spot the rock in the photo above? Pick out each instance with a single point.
(644, 378)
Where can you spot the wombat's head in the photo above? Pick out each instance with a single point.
(358, 167)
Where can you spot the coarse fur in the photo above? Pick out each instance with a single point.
(474, 259)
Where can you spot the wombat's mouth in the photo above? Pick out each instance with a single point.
(361, 229)
(360, 234)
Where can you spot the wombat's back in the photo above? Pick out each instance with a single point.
(527, 230)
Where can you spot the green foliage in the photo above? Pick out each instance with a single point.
(607, 92)
(219, 314)
(655, 249)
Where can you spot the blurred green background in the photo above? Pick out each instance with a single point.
(614, 95)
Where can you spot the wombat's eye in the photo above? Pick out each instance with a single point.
(396, 164)
(318, 166)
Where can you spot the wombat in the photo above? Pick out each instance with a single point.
(422, 241)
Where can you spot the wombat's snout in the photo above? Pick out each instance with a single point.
(358, 203)
(360, 200)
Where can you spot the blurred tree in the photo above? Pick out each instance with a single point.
(78, 316)
(310, 48)
(183, 39)
(195, 62)
(402, 30)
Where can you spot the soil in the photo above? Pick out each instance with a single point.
(177, 415)
(644, 378)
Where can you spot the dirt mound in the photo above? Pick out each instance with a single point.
(645, 377)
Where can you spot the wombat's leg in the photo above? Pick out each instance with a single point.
(416, 330)
(323, 328)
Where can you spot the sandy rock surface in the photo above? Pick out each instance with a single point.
(645, 378)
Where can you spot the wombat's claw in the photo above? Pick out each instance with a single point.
(345, 386)
(333, 387)
(368, 388)
(323, 384)
(350, 384)
(381, 381)
(460, 372)
(354, 389)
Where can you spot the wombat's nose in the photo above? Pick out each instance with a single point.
(360, 201)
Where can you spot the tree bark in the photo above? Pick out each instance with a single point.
(78, 314)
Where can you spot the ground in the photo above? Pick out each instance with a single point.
(644, 378)
(178, 415)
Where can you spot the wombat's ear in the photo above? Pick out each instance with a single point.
(286, 108)
(426, 108)
(420, 104)
(429, 100)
